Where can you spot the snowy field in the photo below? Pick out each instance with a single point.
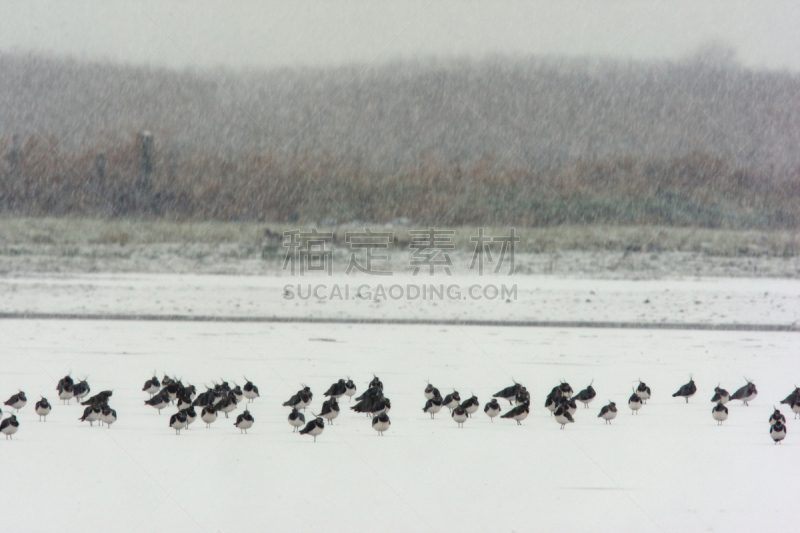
(671, 468)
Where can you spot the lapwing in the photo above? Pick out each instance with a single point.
(608, 412)
(159, 401)
(43, 408)
(152, 386)
(178, 422)
(9, 426)
(108, 416)
(330, 410)
(64, 388)
(518, 413)
(509, 393)
(634, 403)
(777, 432)
(566, 390)
(643, 391)
(459, 414)
(81, 389)
(720, 413)
(492, 409)
(790, 400)
(433, 406)
(191, 415)
(452, 400)
(586, 395)
(429, 391)
(686, 391)
(350, 388)
(17, 401)
(381, 423)
(249, 390)
(244, 421)
(720, 395)
(746, 393)
(92, 414)
(471, 405)
(796, 407)
(300, 400)
(336, 390)
(208, 415)
(563, 417)
(296, 419)
(776, 417)
(314, 428)
(375, 382)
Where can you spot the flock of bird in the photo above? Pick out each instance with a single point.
(561, 402)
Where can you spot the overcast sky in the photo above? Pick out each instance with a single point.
(259, 33)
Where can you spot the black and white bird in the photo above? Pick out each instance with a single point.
(208, 415)
(796, 407)
(238, 393)
(178, 422)
(459, 414)
(518, 413)
(17, 401)
(608, 412)
(376, 382)
(433, 406)
(523, 396)
(776, 417)
(250, 391)
(159, 401)
(381, 423)
(719, 413)
(152, 385)
(451, 401)
(471, 405)
(330, 410)
(300, 400)
(568, 404)
(227, 404)
(108, 416)
(509, 393)
(643, 391)
(563, 417)
(244, 421)
(9, 426)
(92, 414)
(43, 408)
(350, 388)
(634, 403)
(314, 428)
(720, 395)
(586, 395)
(296, 419)
(566, 390)
(64, 388)
(777, 432)
(686, 391)
(553, 400)
(191, 415)
(81, 389)
(100, 398)
(746, 393)
(792, 398)
(492, 409)
(336, 390)
(429, 391)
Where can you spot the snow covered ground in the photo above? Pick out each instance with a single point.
(671, 468)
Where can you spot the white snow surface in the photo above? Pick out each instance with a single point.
(774, 301)
(669, 468)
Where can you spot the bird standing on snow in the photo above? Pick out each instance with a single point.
(519, 413)
(17, 402)
(296, 419)
(635, 403)
(152, 386)
(178, 422)
(249, 390)
(790, 400)
(301, 400)
(159, 401)
(720, 395)
(471, 405)
(686, 391)
(776, 417)
(451, 401)
(381, 423)
(720, 413)
(108, 416)
(330, 410)
(91, 414)
(492, 409)
(608, 412)
(796, 407)
(244, 421)
(777, 432)
(314, 428)
(433, 406)
(563, 417)
(350, 388)
(428, 392)
(43, 408)
(509, 393)
(336, 390)
(747, 393)
(9, 426)
(459, 414)
(208, 415)
(643, 391)
(81, 389)
(586, 395)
